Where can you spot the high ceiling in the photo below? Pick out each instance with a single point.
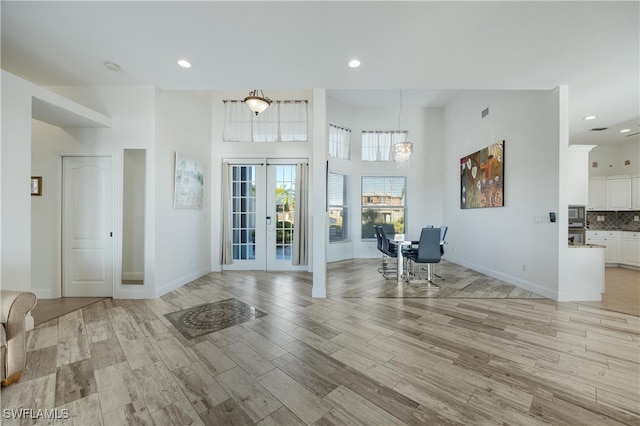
(431, 49)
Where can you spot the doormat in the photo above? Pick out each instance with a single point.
(210, 317)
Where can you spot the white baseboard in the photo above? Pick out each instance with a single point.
(43, 293)
(181, 281)
(128, 292)
(518, 282)
(579, 297)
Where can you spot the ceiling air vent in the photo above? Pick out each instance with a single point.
(633, 134)
(599, 129)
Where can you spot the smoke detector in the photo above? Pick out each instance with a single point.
(111, 66)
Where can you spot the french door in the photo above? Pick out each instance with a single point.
(263, 202)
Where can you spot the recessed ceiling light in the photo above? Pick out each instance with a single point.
(625, 130)
(112, 66)
(590, 117)
(354, 63)
(184, 63)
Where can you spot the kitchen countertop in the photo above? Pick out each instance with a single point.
(621, 230)
(586, 246)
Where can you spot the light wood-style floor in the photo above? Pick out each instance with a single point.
(371, 358)
(622, 291)
(48, 309)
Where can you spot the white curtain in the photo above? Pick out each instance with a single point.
(293, 120)
(237, 122)
(339, 142)
(300, 255)
(226, 256)
(265, 125)
(378, 145)
(282, 121)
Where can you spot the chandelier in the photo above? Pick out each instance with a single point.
(257, 102)
(403, 151)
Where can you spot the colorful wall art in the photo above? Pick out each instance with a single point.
(482, 178)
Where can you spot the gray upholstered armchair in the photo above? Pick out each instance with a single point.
(14, 306)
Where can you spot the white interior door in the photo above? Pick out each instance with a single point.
(262, 215)
(87, 227)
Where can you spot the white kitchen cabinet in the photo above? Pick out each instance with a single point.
(613, 193)
(597, 194)
(618, 194)
(635, 193)
(630, 248)
(609, 239)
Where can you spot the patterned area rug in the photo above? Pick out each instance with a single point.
(210, 317)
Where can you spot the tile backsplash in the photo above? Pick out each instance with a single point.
(621, 221)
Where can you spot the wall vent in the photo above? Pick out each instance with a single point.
(485, 112)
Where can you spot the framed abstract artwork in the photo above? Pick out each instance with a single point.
(482, 178)
(189, 183)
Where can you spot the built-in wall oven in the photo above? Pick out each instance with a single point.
(577, 236)
(577, 225)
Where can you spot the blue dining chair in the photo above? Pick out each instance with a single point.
(428, 252)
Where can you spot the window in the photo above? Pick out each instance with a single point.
(293, 121)
(338, 208)
(283, 121)
(383, 202)
(339, 142)
(378, 145)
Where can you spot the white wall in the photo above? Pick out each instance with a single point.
(183, 236)
(15, 172)
(611, 159)
(132, 111)
(177, 244)
(424, 175)
(503, 241)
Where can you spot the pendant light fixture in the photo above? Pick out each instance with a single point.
(257, 101)
(402, 150)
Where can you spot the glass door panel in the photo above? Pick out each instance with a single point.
(281, 204)
(247, 206)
